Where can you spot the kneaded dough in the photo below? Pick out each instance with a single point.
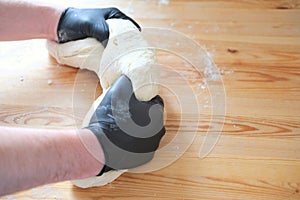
(102, 180)
(127, 52)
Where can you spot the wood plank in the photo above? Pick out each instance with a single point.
(256, 47)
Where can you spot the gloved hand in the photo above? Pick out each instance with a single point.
(128, 130)
(77, 24)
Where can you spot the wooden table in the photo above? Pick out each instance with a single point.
(256, 46)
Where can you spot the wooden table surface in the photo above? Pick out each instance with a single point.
(256, 47)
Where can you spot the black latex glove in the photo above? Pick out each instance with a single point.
(128, 130)
(77, 24)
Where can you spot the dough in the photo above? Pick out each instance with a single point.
(102, 180)
(127, 52)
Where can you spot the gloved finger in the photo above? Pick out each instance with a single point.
(157, 100)
(124, 99)
(116, 13)
(101, 32)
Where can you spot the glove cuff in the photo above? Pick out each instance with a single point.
(59, 32)
(98, 131)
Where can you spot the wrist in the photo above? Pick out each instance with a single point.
(90, 153)
(59, 32)
(23, 20)
(43, 18)
(53, 22)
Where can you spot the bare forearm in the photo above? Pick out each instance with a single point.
(24, 19)
(31, 157)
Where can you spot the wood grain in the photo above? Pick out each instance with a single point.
(256, 47)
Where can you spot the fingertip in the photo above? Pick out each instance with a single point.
(116, 13)
(158, 100)
(134, 22)
(104, 42)
(102, 33)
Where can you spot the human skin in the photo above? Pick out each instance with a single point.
(21, 19)
(32, 157)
